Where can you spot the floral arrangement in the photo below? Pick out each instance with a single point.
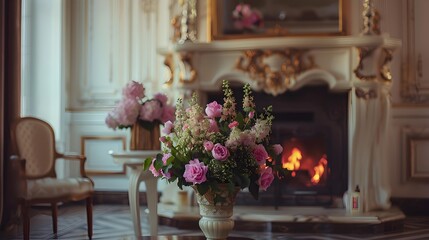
(246, 18)
(218, 145)
(136, 107)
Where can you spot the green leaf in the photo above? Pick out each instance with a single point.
(245, 181)
(147, 162)
(158, 164)
(254, 190)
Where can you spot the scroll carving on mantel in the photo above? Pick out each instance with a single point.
(169, 63)
(187, 72)
(364, 55)
(274, 78)
(385, 72)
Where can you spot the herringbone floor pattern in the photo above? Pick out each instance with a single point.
(114, 222)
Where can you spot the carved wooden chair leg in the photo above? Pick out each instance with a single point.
(54, 217)
(26, 221)
(89, 216)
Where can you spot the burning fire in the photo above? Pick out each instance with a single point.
(319, 170)
(293, 162)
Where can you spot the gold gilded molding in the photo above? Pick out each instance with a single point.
(364, 53)
(187, 72)
(371, 19)
(385, 72)
(169, 63)
(370, 94)
(274, 80)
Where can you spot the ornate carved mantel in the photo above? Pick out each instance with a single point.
(359, 65)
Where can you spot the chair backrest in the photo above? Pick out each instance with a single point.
(35, 142)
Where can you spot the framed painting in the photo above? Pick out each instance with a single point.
(235, 19)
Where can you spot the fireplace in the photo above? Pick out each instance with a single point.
(311, 125)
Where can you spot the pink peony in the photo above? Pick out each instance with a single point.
(208, 145)
(111, 122)
(266, 178)
(168, 113)
(278, 149)
(151, 111)
(162, 98)
(134, 90)
(260, 154)
(168, 127)
(214, 109)
(213, 126)
(127, 111)
(220, 152)
(195, 172)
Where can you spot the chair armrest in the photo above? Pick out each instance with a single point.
(17, 175)
(76, 157)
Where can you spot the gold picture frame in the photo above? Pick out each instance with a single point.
(275, 18)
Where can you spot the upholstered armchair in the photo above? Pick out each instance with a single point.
(35, 143)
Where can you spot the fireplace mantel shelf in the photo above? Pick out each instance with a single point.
(290, 42)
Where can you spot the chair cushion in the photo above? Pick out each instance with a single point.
(54, 187)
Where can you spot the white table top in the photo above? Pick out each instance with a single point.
(133, 157)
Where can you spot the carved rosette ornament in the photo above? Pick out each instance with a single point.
(274, 78)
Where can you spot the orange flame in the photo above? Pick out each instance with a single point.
(319, 170)
(293, 160)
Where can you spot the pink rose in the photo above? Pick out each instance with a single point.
(195, 172)
(111, 122)
(233, 124)
(213, 110)
(213, 126)
(151, 111)
(266, 178)
(168, 113)
(127, 111)
(251, 114)
(162, 139)
(134, 90)
(260, 154)
(153, 170)
(208, 145)
(278, 149)
(162, 98)
(168, 127)
(220, 152)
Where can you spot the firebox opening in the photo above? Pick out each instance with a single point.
(312, 125)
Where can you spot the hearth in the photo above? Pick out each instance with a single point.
(311, 125)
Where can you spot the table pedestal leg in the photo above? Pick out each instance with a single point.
(133, 197)
(152, 203)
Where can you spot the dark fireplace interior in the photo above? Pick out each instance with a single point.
(311, 124)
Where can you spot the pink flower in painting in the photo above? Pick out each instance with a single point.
(111, 122)
(220, 152)
(168, 113)
(208, 145)
(260, 154)
(278, 149)
(168, 127)
(127, 111)
(195, 172)
(134, 90)
(150, 111)
(266, 178)
(214, 109)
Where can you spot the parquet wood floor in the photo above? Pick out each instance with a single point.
(114, 222)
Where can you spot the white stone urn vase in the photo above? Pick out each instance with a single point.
(216, 221)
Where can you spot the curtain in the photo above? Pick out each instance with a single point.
(10, 78)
